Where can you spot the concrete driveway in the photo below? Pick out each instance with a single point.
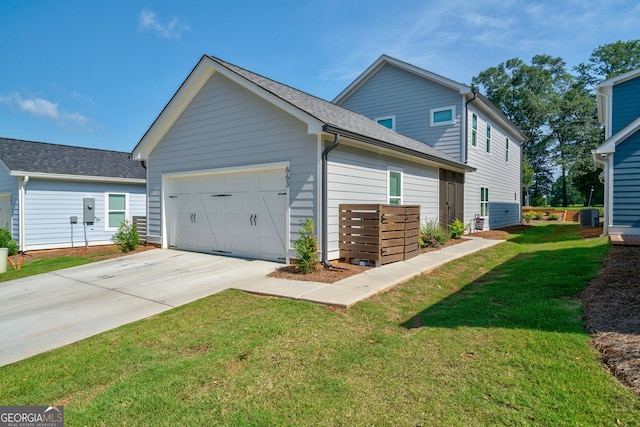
(46, 311)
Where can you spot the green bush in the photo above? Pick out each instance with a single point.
(553, 217)
(306, 248)
(527, 217)
(432, 235)
(538, 217)
(458, 228)
(6, 241)
(126, 237)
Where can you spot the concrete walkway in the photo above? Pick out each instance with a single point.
(46, 311)
(349, 291)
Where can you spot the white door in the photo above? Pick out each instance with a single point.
(240, 214)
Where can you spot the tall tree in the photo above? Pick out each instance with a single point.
(609, 60)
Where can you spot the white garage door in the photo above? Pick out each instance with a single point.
(238, 214)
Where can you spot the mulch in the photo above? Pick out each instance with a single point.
(102, 252)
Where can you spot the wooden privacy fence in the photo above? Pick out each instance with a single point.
(379, 233)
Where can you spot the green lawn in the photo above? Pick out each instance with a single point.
(492, 339)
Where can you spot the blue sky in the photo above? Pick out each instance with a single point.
(97, 73)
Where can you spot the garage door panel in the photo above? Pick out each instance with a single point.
(272, 214)
(180, 220)
(208, 224)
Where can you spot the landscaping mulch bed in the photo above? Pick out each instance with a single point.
(103, 252)
(612, 313)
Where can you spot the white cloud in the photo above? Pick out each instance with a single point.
(40, 107)
(172, 30)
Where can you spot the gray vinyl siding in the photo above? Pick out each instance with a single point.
(357, 176)
(626, 107)
(626, 182)
(501, 177)
(49, 205)
(225, 125)
(392, 91)
(9, 185)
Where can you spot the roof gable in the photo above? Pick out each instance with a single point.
(609, 146)
(603, 94)
(318, 114)
(39, 158)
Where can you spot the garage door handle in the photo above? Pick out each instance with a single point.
(251, 220)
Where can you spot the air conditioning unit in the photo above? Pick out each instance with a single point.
(589, 218)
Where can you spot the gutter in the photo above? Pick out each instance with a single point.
(21, 213)
(325, 201)
(466, 125)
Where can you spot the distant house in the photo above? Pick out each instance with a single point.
(57, 196)
(235, 161)
(619, 155)
(457, 120)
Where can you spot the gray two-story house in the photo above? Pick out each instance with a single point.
(619, 155)
(457, 120)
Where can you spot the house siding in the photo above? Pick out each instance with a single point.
(9, 185)
(502, 177)
(625, 104)
(224, 126)
(50, 204)
(357, 176)
(626, 191)
(393, 91)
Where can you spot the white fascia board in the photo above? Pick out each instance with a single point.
(180, 100)
(385, 59)
(314, 126)
(620, 79)
(86, 178)
(609, 146)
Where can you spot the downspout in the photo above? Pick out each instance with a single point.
(466, 125)
(325, 201)
(602, 160)
(21, 213)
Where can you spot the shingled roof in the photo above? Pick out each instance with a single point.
(29, 157)
(337, 118)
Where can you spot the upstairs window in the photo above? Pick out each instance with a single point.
(395, 188)
(488, 138)
(474, 130)
(387, 121)
(443, 116)
(506, 146)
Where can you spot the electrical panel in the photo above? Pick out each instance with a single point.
(89, 210)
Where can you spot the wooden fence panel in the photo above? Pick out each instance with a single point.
(379, 233)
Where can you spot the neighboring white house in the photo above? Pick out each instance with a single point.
(619, 155)
(235, 161)
(58, 196)
(457, 120)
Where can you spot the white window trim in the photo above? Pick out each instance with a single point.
(437, 110)
(488, 138)
(475, 147)
(393, 120)
(506, 146)
(106, 209)
(401, 172)
(487, 213)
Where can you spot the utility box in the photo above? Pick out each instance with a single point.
(589, 218)
(89, 210)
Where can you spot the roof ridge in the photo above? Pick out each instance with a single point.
(62, 145)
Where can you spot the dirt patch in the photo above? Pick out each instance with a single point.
(103, 252)
(612, 313)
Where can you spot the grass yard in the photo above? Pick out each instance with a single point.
(496, 338)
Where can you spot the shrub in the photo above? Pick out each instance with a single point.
(547, 213)
(458, 228)
(538, 217)
(6, 241)
(432, 235)
(553, 217)
(306, 248)
(126, 237)
(527, 217)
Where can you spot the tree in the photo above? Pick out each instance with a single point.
(564, 194)
(609, 60)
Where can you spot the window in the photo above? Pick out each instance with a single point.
(506, 146)
(116, 210)
(387, 121)
(443, 116)
(395, 188)
(488, 138)
(484, 201)
(474, 130)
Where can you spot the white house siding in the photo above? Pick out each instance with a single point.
(9, 185)
(228, 126)
(359, 176)
(49, 205)
(501, 177)
(392, 91)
